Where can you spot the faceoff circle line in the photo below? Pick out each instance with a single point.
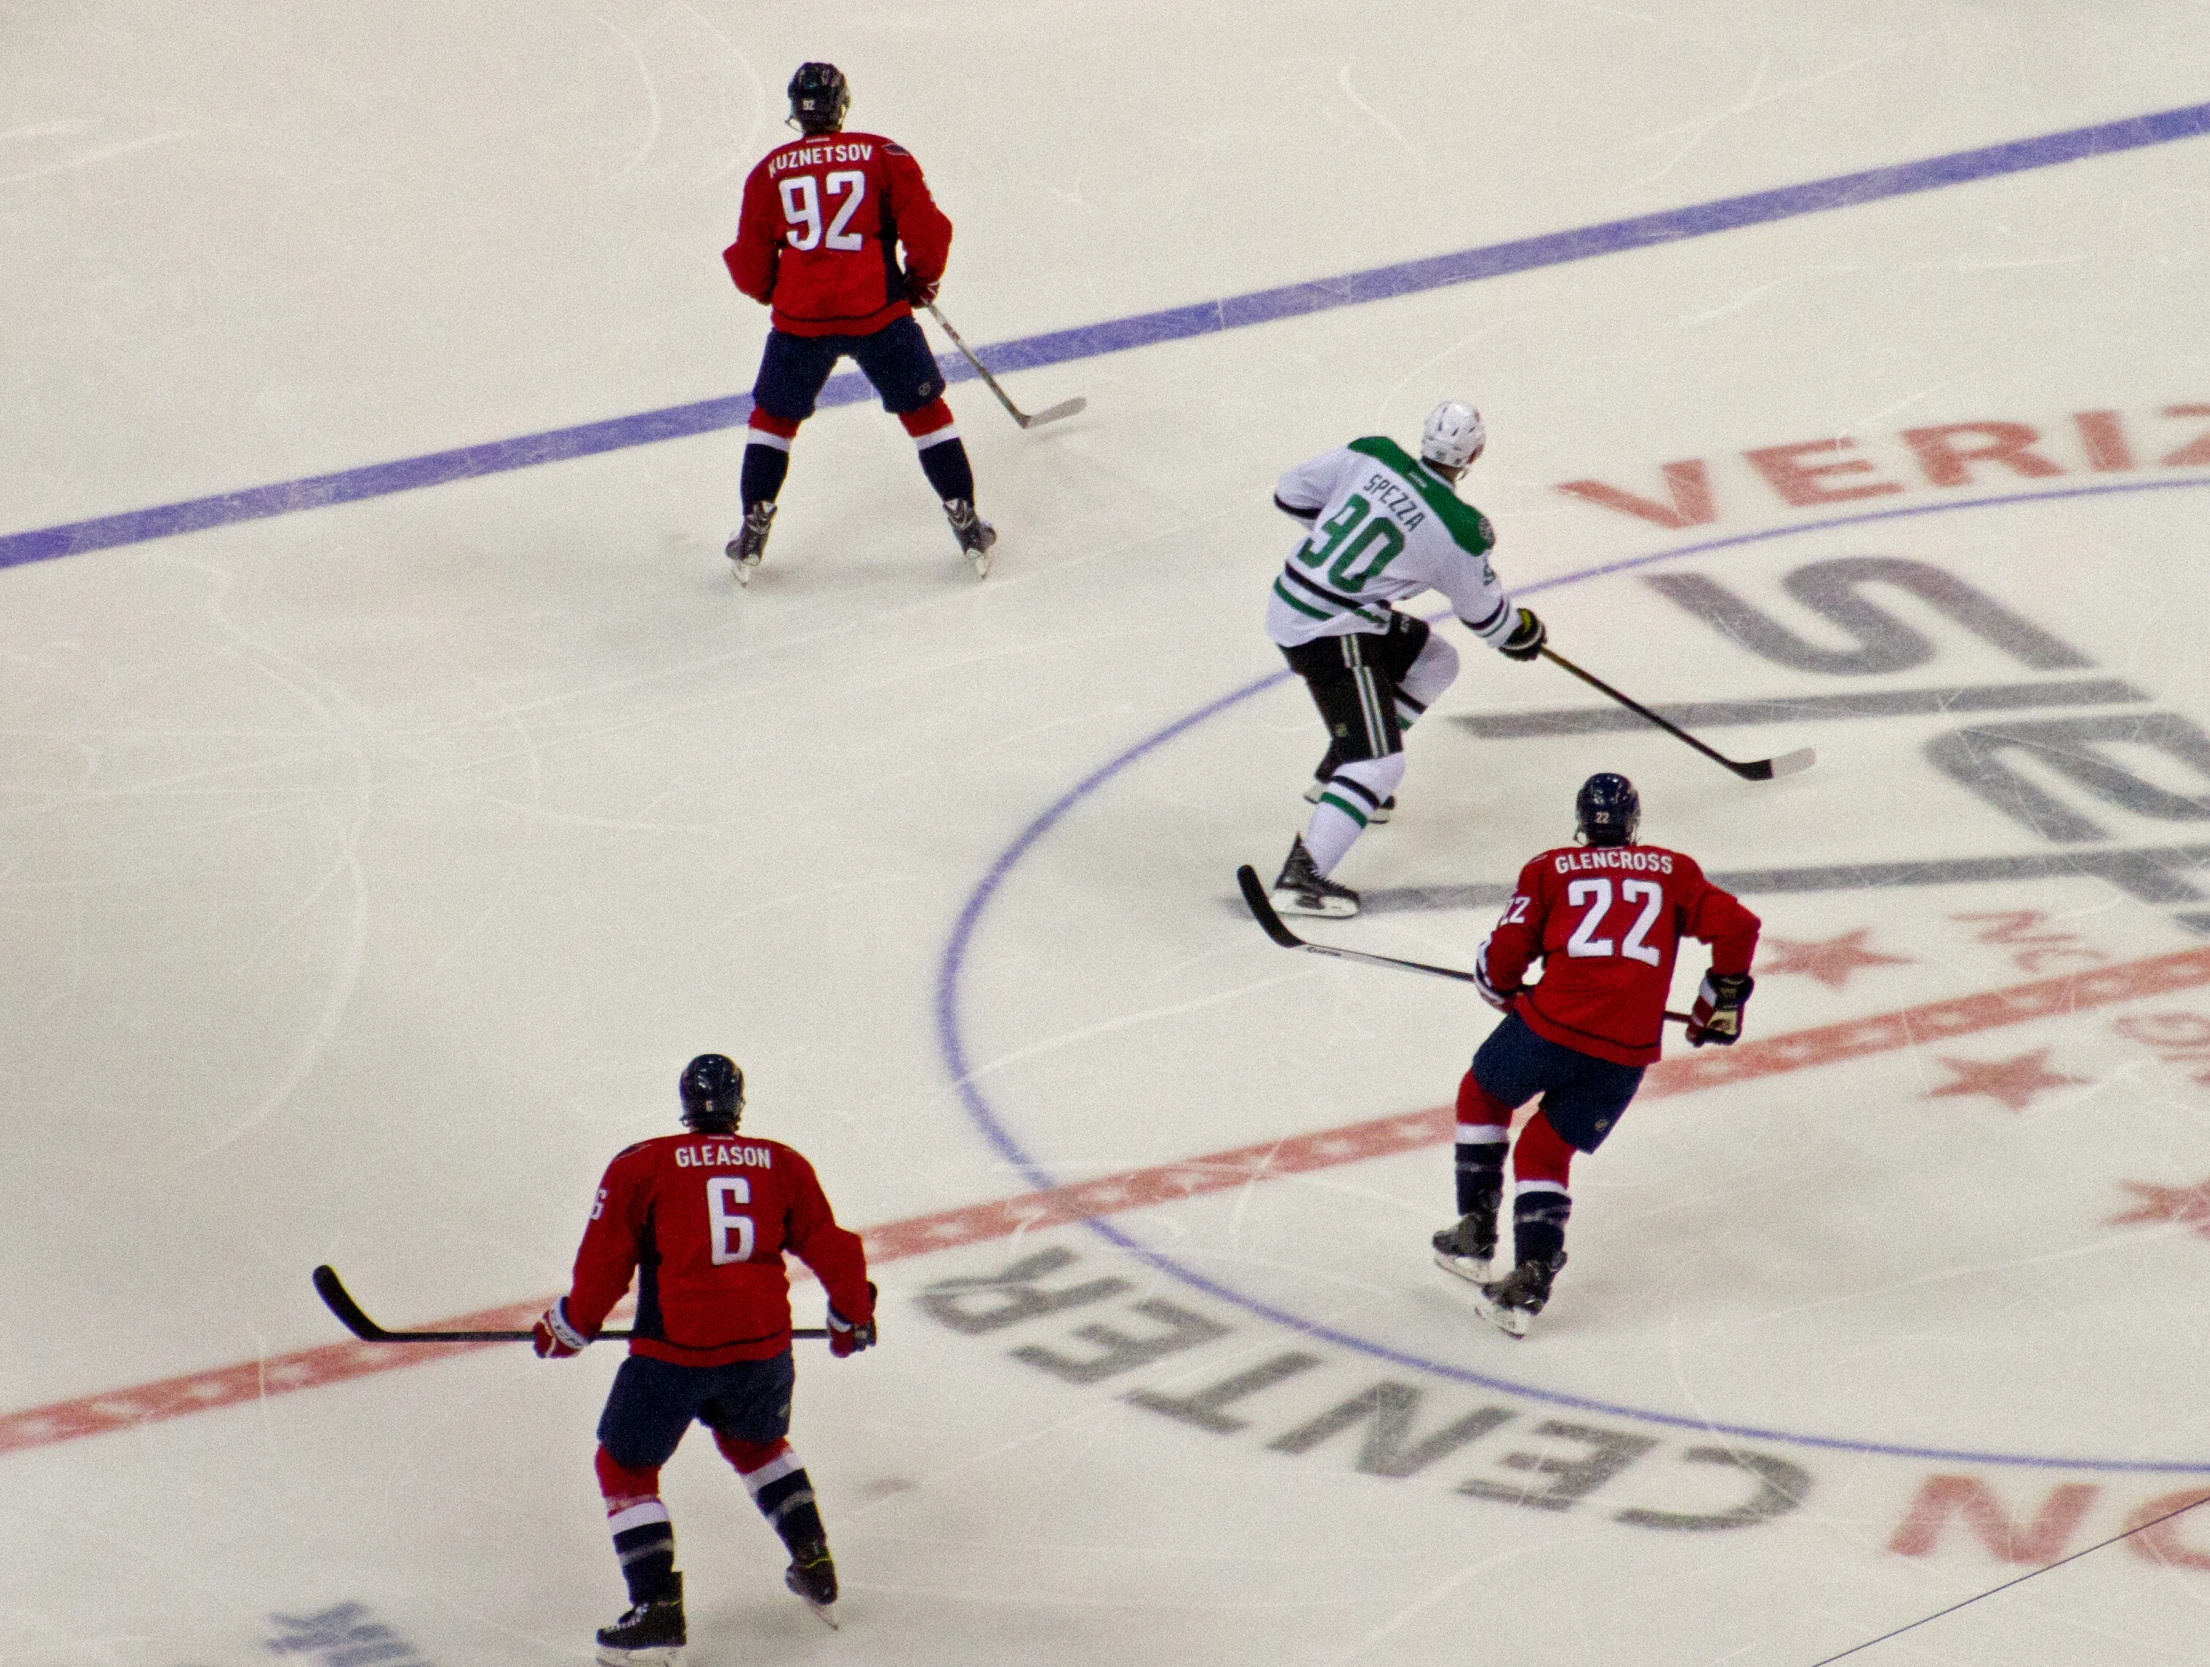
(951, 1043)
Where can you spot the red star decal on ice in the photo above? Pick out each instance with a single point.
(2013, 1081)
(2189, 1206)
(1829, 960)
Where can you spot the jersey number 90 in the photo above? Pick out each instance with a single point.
(725, 1223)
(1345, 550)
(802, 210)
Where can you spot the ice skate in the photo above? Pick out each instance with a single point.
(1518, 1297)
(1468, 1247)
(975, 535)
(1303, 890)
(650, 1635)
(748, 544)
(812, 1575)
(1373, 818)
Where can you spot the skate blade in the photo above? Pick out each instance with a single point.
(1466, 1268)
(821, 1613)
(656, 1655)
(1327, 908)
(1510, 1321)
(981, 559)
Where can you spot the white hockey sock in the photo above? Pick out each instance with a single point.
(1352, 794)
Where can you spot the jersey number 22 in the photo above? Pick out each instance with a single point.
(1595, 897)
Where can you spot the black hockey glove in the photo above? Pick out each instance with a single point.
(1526, 639)
(1717, 1015)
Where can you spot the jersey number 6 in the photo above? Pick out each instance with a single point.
(1595, 895)
(721, 1192)
(802, 209)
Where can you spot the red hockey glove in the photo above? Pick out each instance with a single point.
(847, 1339)
(1717, 1015)
(1526, 639)
(919, 290)
(553, 1337)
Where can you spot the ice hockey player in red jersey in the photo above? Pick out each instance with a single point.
(1604, 918)
(817, 241)
(701, 1220)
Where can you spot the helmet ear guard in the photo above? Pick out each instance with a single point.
(1607, 810)
(712, 1088)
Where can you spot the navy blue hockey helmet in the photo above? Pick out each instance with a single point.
(1607, 810)
(713, 1093)
(819, 97)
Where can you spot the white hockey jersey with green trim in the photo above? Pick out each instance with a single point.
(1386, 528)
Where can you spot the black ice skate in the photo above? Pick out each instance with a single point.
(975, 535)
(1374, 818)
(651, 1633)
(748, 544)
(813, 1577)
(1517, 1298)
(1468, 1249)
(1304, 890)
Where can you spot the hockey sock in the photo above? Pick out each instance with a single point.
(1484, 1128)
(943, 457)
(779, 1486)
(644, 1539)
(1539, 1215)
(764, 469)
(1353, 793)
(766, 456)
(1541, 1165)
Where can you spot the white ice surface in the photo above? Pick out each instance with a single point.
(367, 874)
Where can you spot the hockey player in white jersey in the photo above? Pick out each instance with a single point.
(1385, 526)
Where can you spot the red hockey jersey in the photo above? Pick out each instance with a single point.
(1605, 922)
(702, 1220)
(819, 232)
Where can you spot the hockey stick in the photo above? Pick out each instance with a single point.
(340, 1302)
(1065, 408)
(1757, 769)
(1262, 910)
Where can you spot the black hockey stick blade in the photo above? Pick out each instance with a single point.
(1262, 910)
(1755, 769)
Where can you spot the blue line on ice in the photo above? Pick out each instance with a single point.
(1089, 341)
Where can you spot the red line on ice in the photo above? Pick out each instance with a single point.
(1134, 1189)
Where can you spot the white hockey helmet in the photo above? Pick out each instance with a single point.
(1453, 436)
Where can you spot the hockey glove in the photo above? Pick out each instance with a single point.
(553, 1337)
(1717, 1015)
(919, 290)
(1501, 1000)
(1526, 639)
(847, 1339)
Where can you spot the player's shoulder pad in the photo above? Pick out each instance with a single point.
(891, 147)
